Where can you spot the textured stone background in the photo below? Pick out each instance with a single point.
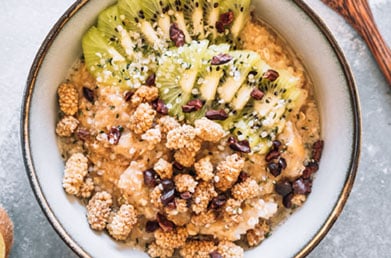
(363, 229)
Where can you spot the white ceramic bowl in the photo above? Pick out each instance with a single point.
(340, 118)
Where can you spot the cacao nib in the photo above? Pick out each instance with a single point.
(243, 177)
(151, 178)
(171, 205)
(317, 149)
(220, 27)
(150, 81)
(192, 105)
(282, 163)
(257, 94)
(221, 59)
(310, 168)
(302, 186)
(227, 18)
(151, 226)
(83, 134)
(160, 107)
(220, 115)
(272, 155)
(186, 195)
(287, 201)
(218, 201)
(88, 94)
(224, 20)
(283, 188)
(168, 185)
(271, 75)
(114, 135)
(274, 168)
(241, 146)
(164, 223)
(232, 139)
(177, 35)
(177, 166)
(128, 95)
(167, 197)
(276, 144)
(215, 254)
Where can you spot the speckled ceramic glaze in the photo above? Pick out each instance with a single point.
(340, 116)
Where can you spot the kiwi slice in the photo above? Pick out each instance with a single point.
(241, 14)
(177, 75)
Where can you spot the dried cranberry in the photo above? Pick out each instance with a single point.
(271, 75)
(177, 35)
(128, 95)
(221, 59)
(167, 197)
(282, 163)
(150, 81)
(160, 107)
(83, 134)
(241, 146)
(218, 201)
(186, 195)
(151, 226)
(302, 186)
(114, 135)
(272, 155)
(274, 168)
(317, 149)
(150, 178)
(215, 254)
(164, 223)
(283, 188)
(287, 200)
(257, 94)
(220, 115)
(192, 105)
(88, 94)
(167, 185)
(310, 168)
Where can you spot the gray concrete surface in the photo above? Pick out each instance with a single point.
(363, 229)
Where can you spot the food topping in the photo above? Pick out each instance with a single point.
(221, 59)
(177, 35)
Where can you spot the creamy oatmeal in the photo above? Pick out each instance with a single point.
(176, 183)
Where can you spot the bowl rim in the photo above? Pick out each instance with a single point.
(34, 181)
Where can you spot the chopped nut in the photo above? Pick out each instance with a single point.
(204, 169)
(76, 168)
(122, 223)
(185, 183)
(142, 118)
(67, 126)
(228, 171)
(98, 210)
(68, 99)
